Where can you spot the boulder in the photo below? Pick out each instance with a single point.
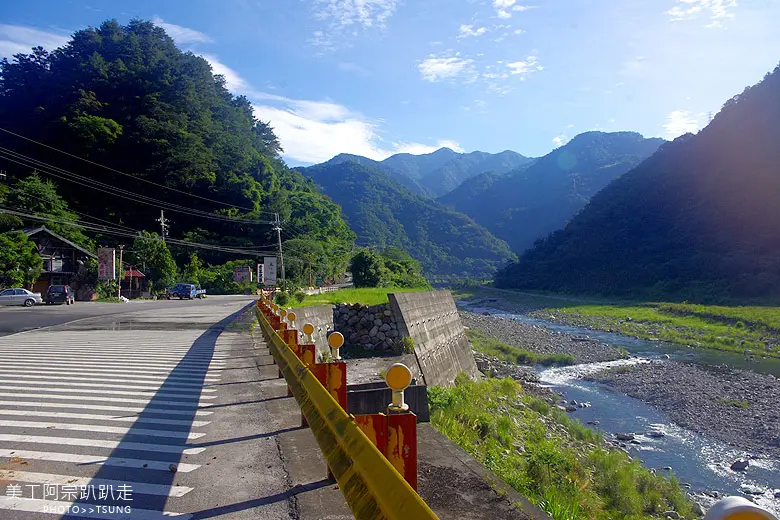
(571, 408)
(740, 465)
(674, 515)
(625, 436)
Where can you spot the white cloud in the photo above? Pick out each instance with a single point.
(504, 8)
(715, 10)
(524, 67)
(343, 17)
(561, 140)
(436, 68)
(680, 122)
(419, 149)
(469, 30)
(15, 39)
(181, 35)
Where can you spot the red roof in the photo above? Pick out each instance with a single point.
(134, 273)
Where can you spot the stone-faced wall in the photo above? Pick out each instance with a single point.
(369, 327)
(440, 343)
(321, 317)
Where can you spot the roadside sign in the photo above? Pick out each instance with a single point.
(106, 263)
(270, 270)
(260, 273)
(242, 273)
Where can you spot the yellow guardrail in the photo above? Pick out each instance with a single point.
(371, 485)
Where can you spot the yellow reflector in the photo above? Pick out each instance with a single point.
(398, 377)
(336, 340)
(308, 328)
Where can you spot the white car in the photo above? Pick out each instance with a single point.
(20, 297)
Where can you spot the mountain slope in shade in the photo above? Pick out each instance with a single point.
(383, 213)
(537, 199)
(452, 174)
(699, 220)
(439, 172)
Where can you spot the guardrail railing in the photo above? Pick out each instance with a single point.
(377, 473)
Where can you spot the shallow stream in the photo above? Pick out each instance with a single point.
(701, 463)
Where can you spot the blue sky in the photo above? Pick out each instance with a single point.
(377, 77)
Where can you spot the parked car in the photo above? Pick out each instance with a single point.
(20, 297)
(185, 290)
(60, 294)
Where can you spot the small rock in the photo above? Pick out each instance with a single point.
(674, 515)
(777, 494)
(751, 490)
(740, 465)
(594, 423)
(173, 468)
(573, 402)
(698, 509)
(571, 408)
(625, 436)
(668, 468)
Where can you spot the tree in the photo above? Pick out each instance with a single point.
(20, 263)
(368, 270)
(153, 254)
(404, 270)
(192, 270)
(40, 197)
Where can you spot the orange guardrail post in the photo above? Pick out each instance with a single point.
(395, 434)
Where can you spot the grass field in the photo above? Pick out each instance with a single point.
(367, 296)
(493, 347)
(559, 464)
(736, 329)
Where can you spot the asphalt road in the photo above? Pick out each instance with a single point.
(17, 318)
(148, 412)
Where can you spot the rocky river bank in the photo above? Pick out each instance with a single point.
(737, 407)
(540, 340)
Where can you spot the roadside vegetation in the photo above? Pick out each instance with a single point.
(366, 296)
(485, 344)
(746, 330)
(562, 466)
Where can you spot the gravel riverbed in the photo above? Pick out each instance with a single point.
(737, 407)
(539, 339)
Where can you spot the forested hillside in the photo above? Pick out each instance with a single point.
(541, 197)
(699, 220)
(384, 213)
(439, 172)
(141, 111)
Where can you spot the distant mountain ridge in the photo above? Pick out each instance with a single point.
(384, 213)
(699, 220)
(541, 196)
(439, 172)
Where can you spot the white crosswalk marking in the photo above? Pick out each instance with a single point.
(118, 407)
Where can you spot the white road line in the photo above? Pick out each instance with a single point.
(94, 417)
(95, 443)
(58, 382)
(80, 406)
(119, 368)
(63, 378)
(111, 360)
(81, 510)
(128, 430)
(36, 369)
(92, 459)
(140, 488)
(185, 404)
(150, 393)
(160, 353)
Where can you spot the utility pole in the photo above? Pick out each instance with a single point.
(278, 228)
(121, 271)
(163, 225)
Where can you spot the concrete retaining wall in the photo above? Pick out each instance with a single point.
(368, 398)
(321, 316)
(440, 343)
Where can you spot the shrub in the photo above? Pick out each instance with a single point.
(281, 299)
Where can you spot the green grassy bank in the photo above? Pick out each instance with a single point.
(736, 329)
(562, 466)
(366, 296)
(493, 347)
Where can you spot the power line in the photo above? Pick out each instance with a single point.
(107, 188)
(127, 174)
(117, 232)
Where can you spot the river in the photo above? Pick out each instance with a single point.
(701, 463)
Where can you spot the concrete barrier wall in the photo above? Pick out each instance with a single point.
(440, 343)
(368, 398)
(321, 316)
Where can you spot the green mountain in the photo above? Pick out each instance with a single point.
(453, 173)
(698, 220)
(542, 196)
(129, 101)
(384, 213)
(439, 172)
